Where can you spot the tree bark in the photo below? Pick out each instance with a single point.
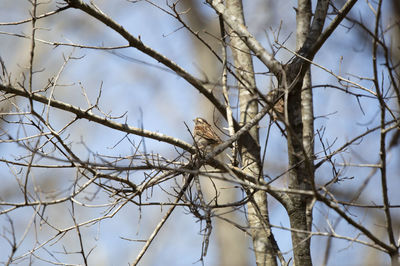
(300, 145)
(250, 154)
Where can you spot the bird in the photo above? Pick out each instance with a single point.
(204, 135)
(277, 111)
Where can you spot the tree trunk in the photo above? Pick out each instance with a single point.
(250, 154)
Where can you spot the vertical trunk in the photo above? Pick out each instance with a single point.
(250, 154)
(299, 179)
(232, 245)
(300, 146)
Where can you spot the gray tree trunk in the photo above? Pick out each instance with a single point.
(250, 153)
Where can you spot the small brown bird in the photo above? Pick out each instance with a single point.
(277, 112)
(204, 135)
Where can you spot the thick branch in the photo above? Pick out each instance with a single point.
(331, 27)
(251, 42)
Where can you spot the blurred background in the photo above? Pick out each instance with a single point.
(146, 94)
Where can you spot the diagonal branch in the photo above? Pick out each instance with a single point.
(88, 115)
(330, 28)
(138, 44)
(273, 65)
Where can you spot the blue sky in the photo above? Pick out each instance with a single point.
(163, 102)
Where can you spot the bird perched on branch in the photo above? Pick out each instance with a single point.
(204, 134)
